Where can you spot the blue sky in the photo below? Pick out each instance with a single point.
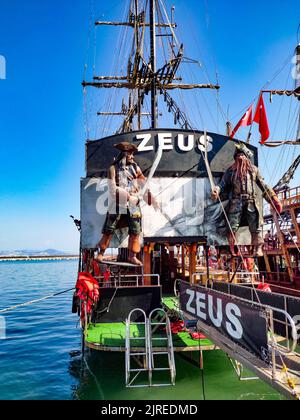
(41, 102)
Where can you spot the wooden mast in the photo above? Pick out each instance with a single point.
(153, 65)
(144, 77)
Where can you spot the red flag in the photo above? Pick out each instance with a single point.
(244, 122)
(261, 119)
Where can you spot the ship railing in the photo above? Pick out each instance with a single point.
(288, 335)
(289, 341)
(283, 358)
(284, 322)
(241, 277)
(280, 277)
(225, 276)
(272, 245)
(283, 348)
(290, 197)
(130, 280)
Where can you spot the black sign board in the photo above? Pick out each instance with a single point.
(243, 324)
(294, 310)
(182, 152)
(275, 300)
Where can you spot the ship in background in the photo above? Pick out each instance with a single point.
(281, 252)
(123, 307)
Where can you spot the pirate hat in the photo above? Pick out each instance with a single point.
(126, 147)
(241, 148)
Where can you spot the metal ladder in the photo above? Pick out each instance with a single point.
(159, 318)
(144, 354)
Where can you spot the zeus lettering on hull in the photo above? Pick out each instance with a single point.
(183, 143)
(220, 315)
(204, 306)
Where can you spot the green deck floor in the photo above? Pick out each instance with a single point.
(113, 335)
(171, 303)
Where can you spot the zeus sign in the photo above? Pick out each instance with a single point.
(241, 323)
(184, 143)
(182, 152)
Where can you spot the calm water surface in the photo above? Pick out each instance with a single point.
(41, 358)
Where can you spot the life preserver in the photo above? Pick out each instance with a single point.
(88, 291)
(177, 327)
(96, 268)
(106, 275)
(264, 287)
(198, 336)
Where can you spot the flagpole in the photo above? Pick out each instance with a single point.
(244, 121)
(250, 129)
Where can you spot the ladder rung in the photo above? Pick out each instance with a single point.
(137, 338)
(161, 338)
(137, 354)
(161, 385)
(148, 348)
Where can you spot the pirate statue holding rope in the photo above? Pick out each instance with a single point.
(240, 182)
(126, 181)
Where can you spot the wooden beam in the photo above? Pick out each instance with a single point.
(147, 264)
(99, 78)
(194, 86)
(295, 223)
(183, 261)
(295, 92)
(110, 78)
(267, 262)
(132, 25)
(141, 85)
(283, 247)
(143, 114)
(192, 258)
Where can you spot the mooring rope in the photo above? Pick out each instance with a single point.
(35, 301)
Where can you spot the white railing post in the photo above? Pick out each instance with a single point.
(273, 345)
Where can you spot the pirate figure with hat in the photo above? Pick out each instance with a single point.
(240, 182)
(126, 181)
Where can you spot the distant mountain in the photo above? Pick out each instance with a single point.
(35, 253)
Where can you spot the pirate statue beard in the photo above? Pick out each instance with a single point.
(242, 166)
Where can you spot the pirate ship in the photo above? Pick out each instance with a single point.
(124, 307)
(281, 252)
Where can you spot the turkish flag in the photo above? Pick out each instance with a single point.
(244, 122)
(260, 118)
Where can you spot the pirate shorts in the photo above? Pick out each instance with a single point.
(119, 221)
(243, 214)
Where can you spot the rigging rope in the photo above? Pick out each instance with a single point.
(35, 301)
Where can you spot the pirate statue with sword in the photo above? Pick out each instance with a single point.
(127, 187)
(240, 182)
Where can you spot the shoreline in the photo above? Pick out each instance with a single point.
(39, 258)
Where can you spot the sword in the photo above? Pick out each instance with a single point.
(210, 175)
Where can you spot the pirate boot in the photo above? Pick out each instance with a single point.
(257, 243)
(103, 245)
(134, 249)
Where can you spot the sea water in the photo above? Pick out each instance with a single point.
(40, 352)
